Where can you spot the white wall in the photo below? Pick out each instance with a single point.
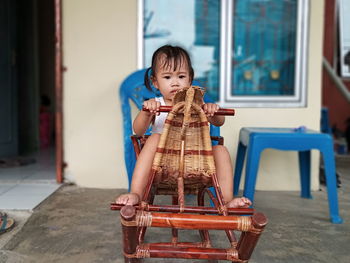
(100, 50)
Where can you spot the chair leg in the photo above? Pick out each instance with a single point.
(252, 165)
(305, 177)
(127, 214)
(212, 190)
(175, 232)
(329, 165)
(203, 233)
(238, 167)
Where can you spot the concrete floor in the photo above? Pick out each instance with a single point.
(75, 225)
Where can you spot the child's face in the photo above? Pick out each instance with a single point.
(169, 81)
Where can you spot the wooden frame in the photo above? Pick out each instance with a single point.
(59, 92)
(136, 219)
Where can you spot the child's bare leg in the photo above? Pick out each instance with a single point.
(224, 172)
(141, 172)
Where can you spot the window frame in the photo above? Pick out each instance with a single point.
(343, 38)
(298, 100)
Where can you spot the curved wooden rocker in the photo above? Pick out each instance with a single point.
(184, 164)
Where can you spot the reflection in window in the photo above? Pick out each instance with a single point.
(263, 47)
(193, 25)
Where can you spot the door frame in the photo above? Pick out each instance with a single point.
(60, 164)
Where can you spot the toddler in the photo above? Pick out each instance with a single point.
(171, 71)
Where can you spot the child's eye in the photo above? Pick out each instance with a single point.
(166, 77)
(182, 76)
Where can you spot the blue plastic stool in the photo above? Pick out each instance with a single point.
(301, 140)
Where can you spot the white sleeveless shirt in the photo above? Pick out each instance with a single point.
(157, 126)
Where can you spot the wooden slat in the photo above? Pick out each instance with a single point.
(221, 111)
(189, 209)
(191, 253)
(192, 221)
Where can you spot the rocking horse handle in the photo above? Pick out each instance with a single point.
(221, 111)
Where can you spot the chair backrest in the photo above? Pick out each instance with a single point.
(134, 89)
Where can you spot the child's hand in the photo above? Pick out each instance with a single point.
(210, 109)
(153, 106)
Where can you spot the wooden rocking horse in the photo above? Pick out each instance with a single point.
(184, 164)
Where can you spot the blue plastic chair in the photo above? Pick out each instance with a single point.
(133, 88)
(255, 140)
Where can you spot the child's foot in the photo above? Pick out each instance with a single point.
(240, 202)
(128, 199)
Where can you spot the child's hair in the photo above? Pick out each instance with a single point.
(173, 54)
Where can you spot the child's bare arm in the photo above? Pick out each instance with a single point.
(144, 118)
(210, 109)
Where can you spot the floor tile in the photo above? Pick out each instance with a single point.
(5, 188)
(24, 187)
(26, 196)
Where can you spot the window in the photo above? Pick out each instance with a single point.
(344, 38)
(248, 53)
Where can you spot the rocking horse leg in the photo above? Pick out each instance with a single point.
(248, 240)
(175, 232)
(204, 233)
(142, 230)
(128, 215)
(220, 202)
(148, 197)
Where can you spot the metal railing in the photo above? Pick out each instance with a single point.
(337, 81)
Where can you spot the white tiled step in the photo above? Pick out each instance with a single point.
(25, 196)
